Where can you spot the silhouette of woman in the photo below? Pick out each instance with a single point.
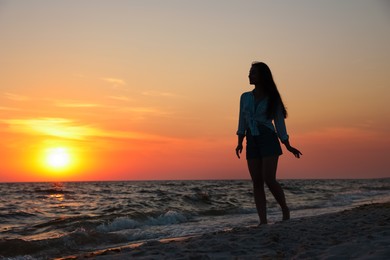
(258, 108)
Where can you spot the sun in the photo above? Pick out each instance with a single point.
(58, 158)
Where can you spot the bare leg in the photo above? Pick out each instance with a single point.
(255, 169)
(270, 165)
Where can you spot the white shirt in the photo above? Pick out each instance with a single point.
(252, 114)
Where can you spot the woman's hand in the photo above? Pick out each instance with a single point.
(239, 146)
(294, 151)
(238, 150)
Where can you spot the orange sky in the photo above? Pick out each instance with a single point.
(147, 90)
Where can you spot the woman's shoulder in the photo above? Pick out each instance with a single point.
(246, 94)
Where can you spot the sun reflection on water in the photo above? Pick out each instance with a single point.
(59, 197)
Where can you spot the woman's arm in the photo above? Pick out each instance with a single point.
(280, 124)
(241, 127)
(281, 129)
(242, 124)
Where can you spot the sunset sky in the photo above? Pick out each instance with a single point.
(149, 90)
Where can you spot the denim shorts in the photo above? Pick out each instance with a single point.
(263, 145)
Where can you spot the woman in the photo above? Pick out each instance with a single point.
(258, 108)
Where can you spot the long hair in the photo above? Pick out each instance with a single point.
(270, 89)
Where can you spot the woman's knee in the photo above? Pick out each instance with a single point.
(271, 182)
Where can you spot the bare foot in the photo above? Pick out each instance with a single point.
(262, 224)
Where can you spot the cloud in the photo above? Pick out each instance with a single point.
(153, 93)
(74, 104)
(121, 98)
(71, 103)
(114, 81)
(144, 111)
(68, 129)
(16, 97)
(8, 109)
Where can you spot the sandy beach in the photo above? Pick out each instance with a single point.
(359, 233)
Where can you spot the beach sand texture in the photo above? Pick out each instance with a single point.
(359, 233)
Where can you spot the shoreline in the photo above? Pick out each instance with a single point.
(361, 232)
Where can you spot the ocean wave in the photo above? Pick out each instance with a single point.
(376, 188)
(79, 240)
(17, 214)
(52, 191)
(198, 197)
(18, 247)
(63, 221)
(121, 223)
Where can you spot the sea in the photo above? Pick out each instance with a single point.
(50, 220)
